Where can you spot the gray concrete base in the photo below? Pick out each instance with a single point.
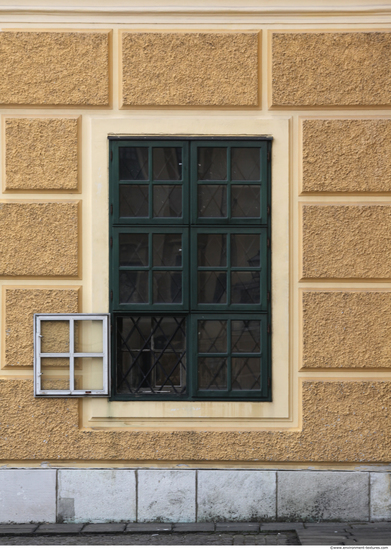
(141, 496)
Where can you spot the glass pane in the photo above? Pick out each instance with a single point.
(212, 287)
(167, 249)
(133, 249)
(133, 163)
(88, 336)
(133, 201)
(55, 337)
(167, 287)
(133, 287)
(246, 336)
(212, 336)
(212, 163)
(246, 373)
(55, 373)
(89, 373)
(246, 201)
(167, 163)
(167, 201)
(245, 251)
(212, 250)
(245, 163)
(212, 201)
(245, 287)
(152, 356)
(212, 373)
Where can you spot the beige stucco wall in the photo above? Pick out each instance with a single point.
(318, 82)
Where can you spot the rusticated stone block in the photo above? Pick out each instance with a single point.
(20, 306)
(347, 330)
(380, 496)
(41, 154)
(175, 68)
(344, 241)
(39, 239)
(331, 69)
(54, 68)
(347, 156)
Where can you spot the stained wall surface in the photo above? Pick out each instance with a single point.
(146, 74)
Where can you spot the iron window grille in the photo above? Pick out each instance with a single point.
(71, 355)
(190, 230)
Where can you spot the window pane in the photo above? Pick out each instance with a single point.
(133, 163)
(55, 373)
(212, 163)
(133, 201)
(212, 373)
(245, 250)
(152, 355)
(212, 336)
(245, 287)
(212, 250)
(246, 336)
(167, 201)
(212, 201)
(55, 337)
(88, 373)
(246, 201)
(88, 336)
(133, 249)
(167, 163)
(212, 287)
(133, 287)
(167, 287)
(245, 163)
(246, 373)
(167, 249)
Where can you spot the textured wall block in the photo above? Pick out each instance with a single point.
(233, 495)
(39, 239)
(317, 496)
(27, 496)
(20, 306)
(166, 495)
(327, 69)
(96, 496)
(347, 156)
(54, 68)
(41, 153)
(346, 241)
(190, 69)
(380, 496)
(347, 330)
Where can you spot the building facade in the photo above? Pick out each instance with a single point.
(218, 179)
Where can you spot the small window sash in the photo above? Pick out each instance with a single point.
(71, 355)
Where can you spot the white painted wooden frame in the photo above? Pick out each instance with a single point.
(71, 355)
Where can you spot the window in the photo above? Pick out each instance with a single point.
(190, 269)
(71, 355)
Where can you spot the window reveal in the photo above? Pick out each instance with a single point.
(190, 269)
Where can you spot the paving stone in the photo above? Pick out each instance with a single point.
(148, 527)
(193, 527)
(281, 526)
(104, 528)
(20, 528)
(231, 526)
(236, 495)
(239, 540)
(59, 528)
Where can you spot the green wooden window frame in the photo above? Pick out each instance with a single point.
(222, 187)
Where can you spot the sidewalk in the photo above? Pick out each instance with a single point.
(225, 534)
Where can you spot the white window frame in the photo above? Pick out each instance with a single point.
(105, 354)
